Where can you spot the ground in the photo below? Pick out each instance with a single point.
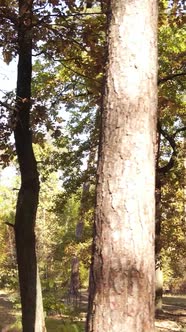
(172, 319)
(7, 313)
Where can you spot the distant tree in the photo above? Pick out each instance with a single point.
(122, 273)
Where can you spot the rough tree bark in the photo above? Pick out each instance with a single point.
(30, 290)
(121, 294)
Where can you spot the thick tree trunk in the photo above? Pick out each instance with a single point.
(29, 192)
(122, 273)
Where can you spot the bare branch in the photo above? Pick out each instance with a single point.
(170, 77)
(9, 224)
(171, 140)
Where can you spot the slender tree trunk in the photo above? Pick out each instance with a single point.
(75, 281)
(184, 193)
(121, 294)
(158, 262)
(29, 191)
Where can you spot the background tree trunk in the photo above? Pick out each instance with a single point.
(184, 160)
(29, 192)
(75, 281)
(158, 261)
(122, 272)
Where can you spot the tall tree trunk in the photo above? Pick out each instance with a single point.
(29, 191)
(122, 272)
(184, 193)
(158, 262)
(75, 281)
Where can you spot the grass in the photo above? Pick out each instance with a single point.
(54, 325)
(59, 325)
(72, 322)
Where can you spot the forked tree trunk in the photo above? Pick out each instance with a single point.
(122, 272)
(29, 191)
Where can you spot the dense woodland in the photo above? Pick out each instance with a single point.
(54, 130)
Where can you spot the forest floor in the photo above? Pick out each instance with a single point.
(8, 315)
(172, 319)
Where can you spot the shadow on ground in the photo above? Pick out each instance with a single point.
(173, 317)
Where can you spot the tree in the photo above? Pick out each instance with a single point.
(21, 37)
(122, 272)
(32, 311)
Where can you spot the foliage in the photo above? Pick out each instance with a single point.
(56, 233)
(54, 325)
(56, 269)
(171, 118)
(56, 238)
(75, 83)
(173, 225)
(8, 269)
(64, 37)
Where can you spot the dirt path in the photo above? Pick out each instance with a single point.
(167, 322)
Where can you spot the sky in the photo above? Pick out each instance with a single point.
(8, 75)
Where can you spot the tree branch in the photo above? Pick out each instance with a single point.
(171, 140)
(170, 77)
(9, 224)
